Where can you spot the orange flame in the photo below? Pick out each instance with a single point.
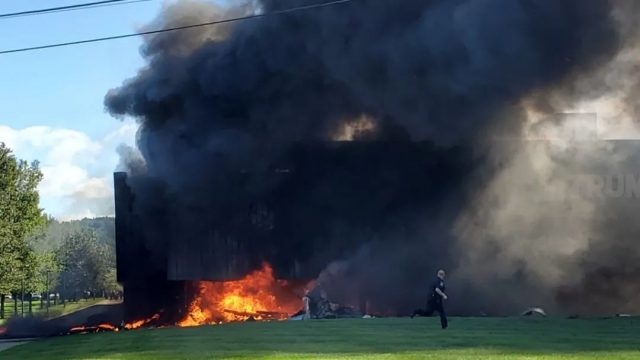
(140, 323)
(93, 329)
(259, 296)
(108, 327)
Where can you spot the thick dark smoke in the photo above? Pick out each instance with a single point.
(221, 109)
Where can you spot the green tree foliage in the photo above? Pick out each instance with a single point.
(44, 274)
(86, 264)
(39, 254)
(62, 238)
(44, 268)
(57, 231)
(110, 281)
(19, 215)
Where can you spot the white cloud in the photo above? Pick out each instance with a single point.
(77, 169)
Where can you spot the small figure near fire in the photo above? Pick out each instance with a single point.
(316, 304)
(436, 300)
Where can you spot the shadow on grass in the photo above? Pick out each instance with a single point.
(349, 338)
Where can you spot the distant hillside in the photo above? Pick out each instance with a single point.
(57, 231)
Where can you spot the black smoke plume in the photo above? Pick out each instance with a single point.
(419, 87)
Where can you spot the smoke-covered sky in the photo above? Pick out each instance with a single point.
(484, 75)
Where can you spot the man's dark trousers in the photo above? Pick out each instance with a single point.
(436, 305)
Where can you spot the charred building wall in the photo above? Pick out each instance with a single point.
(322, 202)
(143, 275)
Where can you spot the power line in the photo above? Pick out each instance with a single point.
(177, 28)
(67, 8)
(82, 8)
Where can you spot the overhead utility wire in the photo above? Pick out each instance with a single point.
(67, 8)
(177, 28)
(82, 8)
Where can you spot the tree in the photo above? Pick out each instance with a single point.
(109, 281)
(56, 232)
(42, 276)
(84, 265)
(91, 239)
(19, 215)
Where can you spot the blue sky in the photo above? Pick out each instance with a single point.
(51, 101)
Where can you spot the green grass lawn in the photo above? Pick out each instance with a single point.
(467, 338)
(54, 310)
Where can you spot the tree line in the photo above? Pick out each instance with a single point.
(41, 256)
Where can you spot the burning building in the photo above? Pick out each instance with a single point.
(238, 165)
(327, 201)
